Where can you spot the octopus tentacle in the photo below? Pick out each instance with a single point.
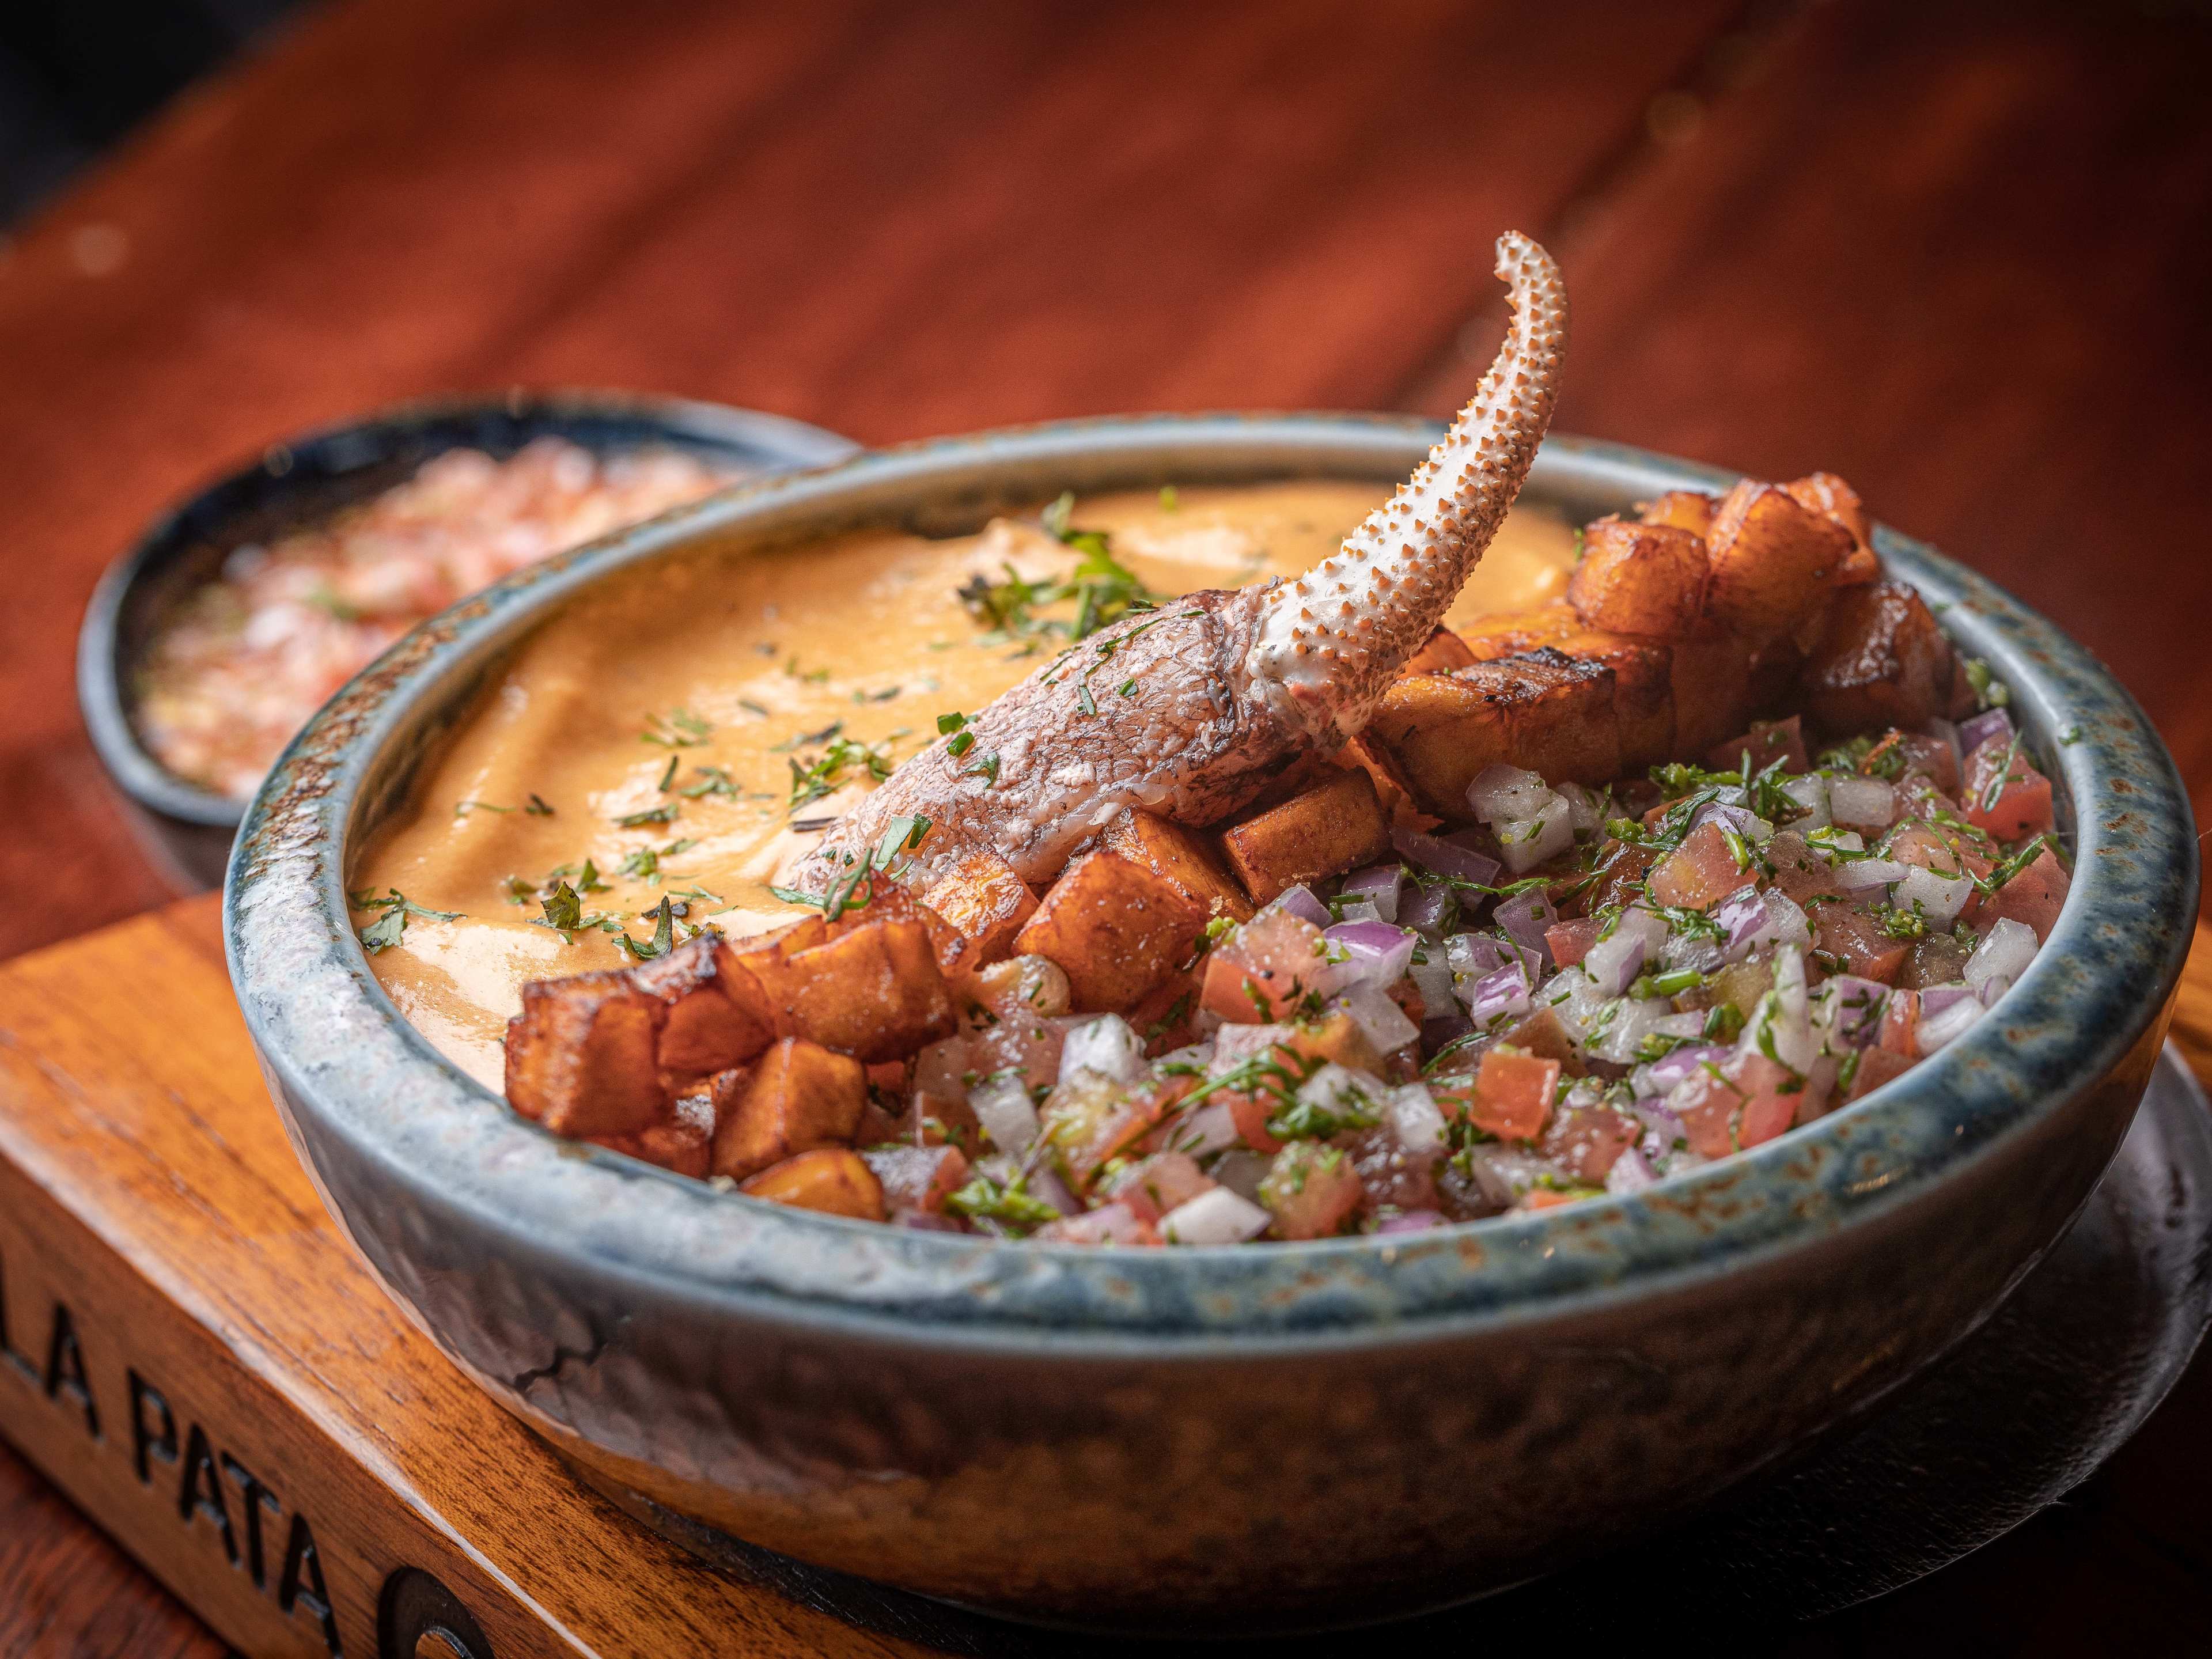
(1336, 638)
(1226, 688)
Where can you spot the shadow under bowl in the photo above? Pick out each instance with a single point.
(188, 829)
(1240, 1439)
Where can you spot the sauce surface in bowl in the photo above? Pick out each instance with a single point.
(670, 731)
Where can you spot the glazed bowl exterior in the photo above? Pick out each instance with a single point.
(305, 479)
(1258, 1436)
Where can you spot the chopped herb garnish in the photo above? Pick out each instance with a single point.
(678, 729)
(660, 943)
(983, 766)
(388, 928)
(663, 813)
(712, 780)
(669, 776)
(535, 807)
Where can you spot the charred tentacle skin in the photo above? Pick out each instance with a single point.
(1224, 689)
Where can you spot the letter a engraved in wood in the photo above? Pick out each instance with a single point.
(200, 1491)
(302, 1583)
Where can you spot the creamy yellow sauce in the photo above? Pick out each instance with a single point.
(727, 661)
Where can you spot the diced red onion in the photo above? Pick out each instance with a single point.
(1044, 1184)
(2004, 953)
(1538, 839)
(1441, 857)
(1663, 1129)
(1810, 793)
(1937, 998)
(1689, 1024)
(1742, 819)
(1940, 897)
(1948, 734)
(1473, 955)
(1410, 1221)
(1215, 1217)
(1857, 875)
(1210, 1128)
(1106, 1045)
(1379, 951)
(1235, 1044)
(1109, 1224)
(1664, 1074)
(1427, 908)
(1440, 1031)
(1855, 1009)
(1379, 884)
(1582, 807)
(1945, 1026)
(1629, 1174)
(1525, 916)
(1433, 979)
(1744, 917)
(1379, 1018)
(1990, 726)
(1354, 907)
(1614, 961)
(1502, 794)
(1632, 1021)
(1505, 991)
(1300, 901)
(1787, 917)
(1994, 988)
(1870, 803)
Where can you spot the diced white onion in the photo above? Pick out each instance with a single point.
(1786, 918)
(1811, 792)
(1414, 1119)
(1857, 875)
(1217, 1217)
(1940, 897)
(1433, 978)
(1337, 1088)
(1108, 1045)
(1829, 842)
(1574, 996)
(1234, 1044)
(1379, 1018)
(1582, 807)
(1008, 1115)
(1502, 794)
(1210, 1128)
(1543, 836)
(1629, 1174)
(1623, 1032)
(1870, 803)
(2004, 953)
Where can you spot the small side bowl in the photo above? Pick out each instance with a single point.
(1174, 1439)
(188, 829)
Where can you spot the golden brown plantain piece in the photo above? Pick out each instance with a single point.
(1444, 652)
(1639, 579)
(1772, 562)
(717, 1016)
(1882, 660)
(833, 1180)
(1643, 691)
(581, 1056)
(1336, 826)
(1182, 856)
(875, 991)
(984, 901)
(800, 1097)
(1685, 509)
(1116, 927)
(1542, 709)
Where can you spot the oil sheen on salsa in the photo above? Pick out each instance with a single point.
(734, 670)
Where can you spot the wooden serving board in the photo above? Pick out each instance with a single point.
(191, 1351)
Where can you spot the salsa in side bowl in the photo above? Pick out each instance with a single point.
(212, 641)
(1340, 1427)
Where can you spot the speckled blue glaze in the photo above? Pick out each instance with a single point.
(1514, 1391)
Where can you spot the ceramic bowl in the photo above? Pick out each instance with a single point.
(1238, 1439)
(188, 829)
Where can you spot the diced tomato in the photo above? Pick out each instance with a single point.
(1923, 844)
(1250, 1114)
(1153, 1186)
(1111, 1224)
(1311, 1188)
(2034, 897)
(1900, 1018)
(1916, 757)
(1513, 1093)
(1571, 940)
(1875, 1067)
(1740, 1102)
(1851, 937)
(1700, 872)
(1256, 975)
(1090, 1121)
(1589, 1140)
(1766, 742)
(1543, 1198)
(1799, 872)
(1024, 1042)
(2006, 797)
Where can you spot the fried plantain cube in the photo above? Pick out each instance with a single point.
(717, 1016)
(1772, 562)
(581, 1056)
(1182, 856)
(1337, 825)
(1831, 498)
(985, 901)
(1639, 579)
(833, 1180)
(679, 1145)
(1116, 927)
(1711, 678)
(1516, 633)
(1643, 668)
(800, 1097)
(1443, 652)
(1685, 509)
(1392, 788)
(1882, 661)
(875, 991)
(1543, 710)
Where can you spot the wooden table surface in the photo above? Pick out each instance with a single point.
(1960, 253)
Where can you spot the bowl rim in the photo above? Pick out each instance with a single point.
(103, 701)
(343, 1062)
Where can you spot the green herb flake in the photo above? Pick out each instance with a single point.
(678, 729)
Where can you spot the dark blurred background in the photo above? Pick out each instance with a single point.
(76, 75)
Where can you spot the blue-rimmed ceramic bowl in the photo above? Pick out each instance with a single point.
(1271, 1436)
(302, 481)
